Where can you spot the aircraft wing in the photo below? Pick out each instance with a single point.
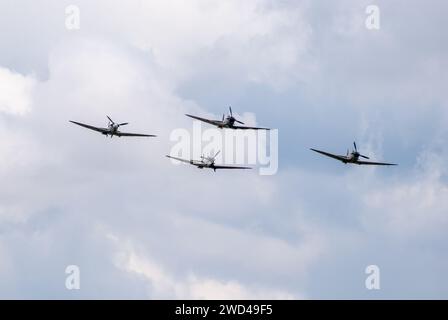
(251, 128)
(125, 134)
(334, 156)
(229, 167)
(376, 163)
(213, 122)
(181, 160)
(102, 130)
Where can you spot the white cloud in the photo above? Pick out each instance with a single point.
(413, 208)
(90, 78)
(15, 92)
(162, 285)
(256, 40)
(197, 234)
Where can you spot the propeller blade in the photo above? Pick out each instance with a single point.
(230, 109)
(123, 124)
(365, 157)
(216, 154)
(354, 144)
(110, 119)
(223, 117)
(239, 121)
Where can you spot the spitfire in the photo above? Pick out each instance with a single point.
(112, 129)
(207, 162)
(226, 122)
(353, 157)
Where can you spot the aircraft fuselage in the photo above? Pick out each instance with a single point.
(204, 163)
(113, 130)
(352, 158)
(227, 123)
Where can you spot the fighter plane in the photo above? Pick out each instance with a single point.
(207, 162)
(226, 122)
(112, 129)
(353, 157)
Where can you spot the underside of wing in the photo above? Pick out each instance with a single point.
(213, 122)
(334, 156)
(181, 160)
(125, 134)
(102, 130)
(376, 163)
(229, 167)
(249, 128)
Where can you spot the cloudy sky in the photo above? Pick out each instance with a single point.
(139, 227)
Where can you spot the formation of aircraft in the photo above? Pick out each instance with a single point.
(353, 157)
(226, 122)
(229, 123)
(112, 129)
(207, 162)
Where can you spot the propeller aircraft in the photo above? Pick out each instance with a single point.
(112, 129)
(226, 122)
(207, 162)
(353, 157)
